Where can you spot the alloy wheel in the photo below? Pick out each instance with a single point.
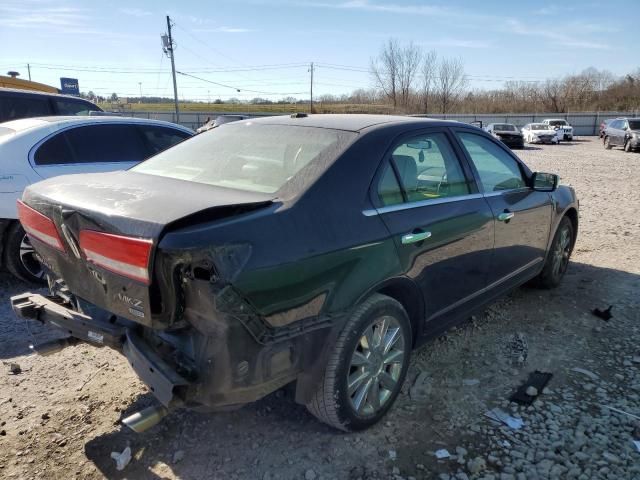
(561, 253)
(376, 366)
(29, 259)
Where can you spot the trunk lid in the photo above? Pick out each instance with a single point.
(123, 205)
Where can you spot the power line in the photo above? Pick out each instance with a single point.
(238, 89)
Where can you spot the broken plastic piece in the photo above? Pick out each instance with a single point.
(122, 459)
(603, 314)
(589, 374)
(538, 380)
(501, 416)
(637, 444)
(442, 453)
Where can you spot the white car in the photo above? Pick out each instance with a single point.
(565, 131)
(540, 133)
(33, 149)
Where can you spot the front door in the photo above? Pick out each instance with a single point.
(522, 215)
(441, 225)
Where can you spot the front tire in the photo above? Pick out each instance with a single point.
(19, 256)
(557, 260)
(366, 369)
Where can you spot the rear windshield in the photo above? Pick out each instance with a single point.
(539, 126)
(634, 124)
(504, 127)
(250, 156)
(557, 123)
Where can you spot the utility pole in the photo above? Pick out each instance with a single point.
(140, 100)
(29, 70)
(311, 96)
(168, 48)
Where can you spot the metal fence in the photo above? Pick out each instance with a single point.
(584, 123)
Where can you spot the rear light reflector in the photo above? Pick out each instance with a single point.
(39, 226)
(122, 255)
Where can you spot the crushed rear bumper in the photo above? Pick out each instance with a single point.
(163, 380)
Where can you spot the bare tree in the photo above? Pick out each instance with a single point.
(429, 66)
(450, 82)
(394, 71)
(385, 70)
(408, 63)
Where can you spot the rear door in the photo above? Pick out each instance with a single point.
(522, 215)
(441, 225)
(614, 132)
(89, 149)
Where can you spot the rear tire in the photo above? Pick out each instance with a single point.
(366, 369)
(557, 260)
(607, 143)
(627, 146)
(19, 256)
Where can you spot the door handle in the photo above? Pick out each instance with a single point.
(415, 237)
(506, 216)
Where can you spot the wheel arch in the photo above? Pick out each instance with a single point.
(408, 294)
(572, 214)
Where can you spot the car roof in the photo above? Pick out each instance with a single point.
(346, 121)
(42, 94)
(60, 121)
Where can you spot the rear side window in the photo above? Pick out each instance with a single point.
(389, 190)
(161, 138)
(429, 168)
(496, 168)
(71, 107)
(54, 151)
(104, 143)
(19, 106)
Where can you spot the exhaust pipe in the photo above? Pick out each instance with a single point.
(53, 346)
(145, 419)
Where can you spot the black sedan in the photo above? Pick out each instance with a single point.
(508, 133)
(315, 251)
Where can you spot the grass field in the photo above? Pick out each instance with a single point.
(248, 108)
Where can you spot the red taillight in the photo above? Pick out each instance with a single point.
(39, 226)
(123, 255)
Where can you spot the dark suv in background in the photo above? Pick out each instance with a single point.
(623, 132)
(15, 104)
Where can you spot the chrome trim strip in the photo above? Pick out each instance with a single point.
(487, 288)
(423, 203)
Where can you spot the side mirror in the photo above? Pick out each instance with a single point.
(544, 182)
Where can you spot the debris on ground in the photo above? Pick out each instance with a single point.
(421, 387)
(470, 382)
(177, 456)
(501, 416)
(589, 374)
(517, 348)
(442, 453)
(122, 459)
(527, 392)
(603, 314)
(15, 369)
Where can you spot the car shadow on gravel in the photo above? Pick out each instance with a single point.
(192, 444)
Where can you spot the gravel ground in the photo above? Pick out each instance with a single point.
(59, 416)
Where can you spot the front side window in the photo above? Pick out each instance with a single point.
(161, 138)
(496, 168)
(252, 156)
(634, 124)
(428, 168)
(104, 143)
